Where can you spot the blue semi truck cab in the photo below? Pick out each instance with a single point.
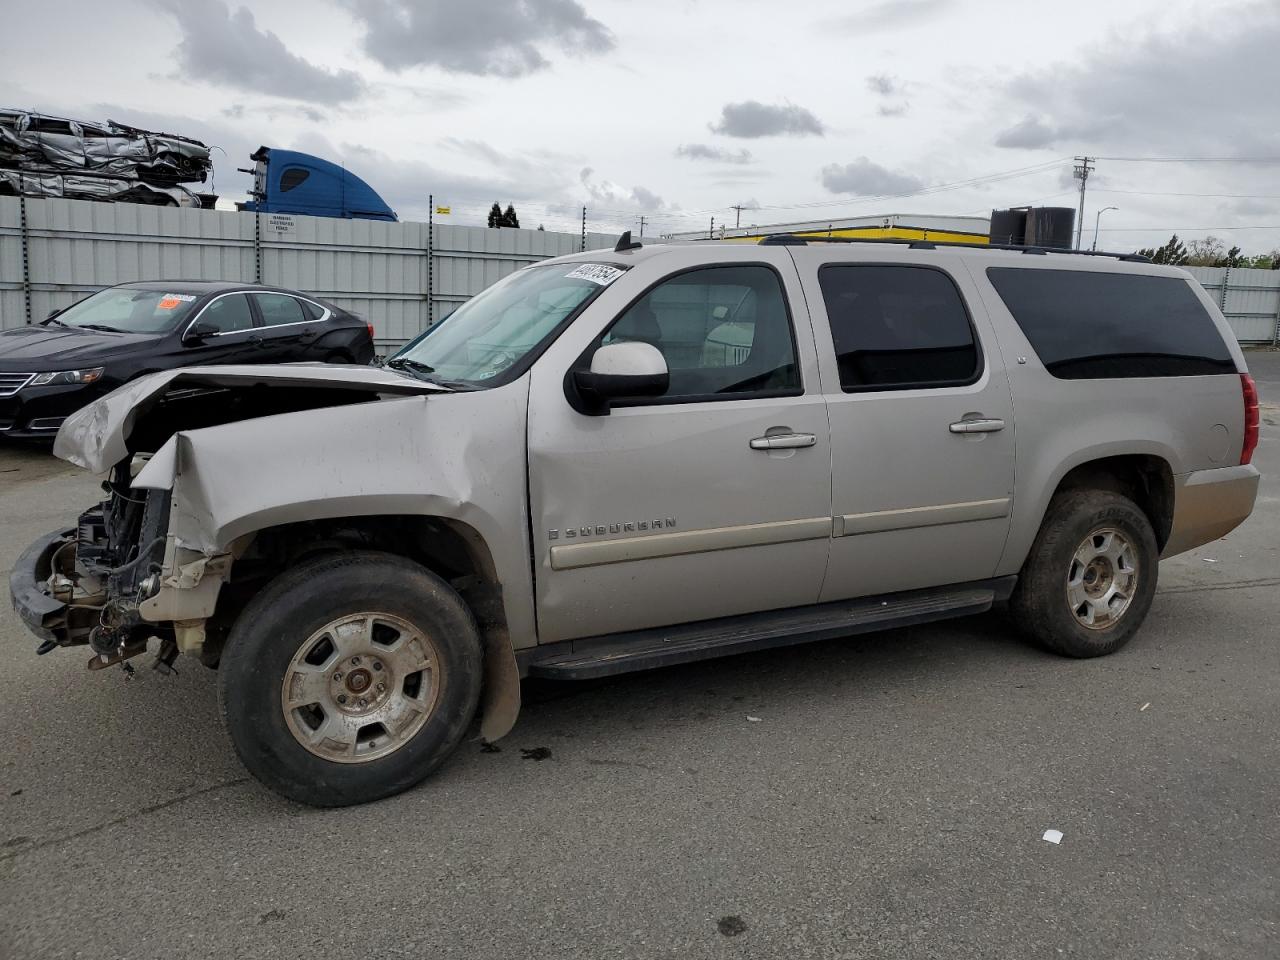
(286, 181)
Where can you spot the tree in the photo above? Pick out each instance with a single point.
(541, 227)
(1206, 252)
(1232, 259)
(509, 218)
(1174, 252)
(495, 215)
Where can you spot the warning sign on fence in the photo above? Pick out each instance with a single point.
(280, 226)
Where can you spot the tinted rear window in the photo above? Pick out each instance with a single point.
(897, 328)
(1088, 325)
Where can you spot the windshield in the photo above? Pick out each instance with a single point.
(496, 329)
(127, 310)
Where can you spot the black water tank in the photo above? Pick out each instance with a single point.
(1051, 227)
(1033, 226)
(1009, 226)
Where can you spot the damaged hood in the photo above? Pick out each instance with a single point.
(96, 436)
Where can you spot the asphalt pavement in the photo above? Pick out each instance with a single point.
(887, 801)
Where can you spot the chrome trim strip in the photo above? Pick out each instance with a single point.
(569, 556)
(9, 390)
(326, 315)
(911, 517)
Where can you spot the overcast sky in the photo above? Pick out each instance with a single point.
(680, 109)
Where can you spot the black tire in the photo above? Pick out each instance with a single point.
(271, 630)
(1041, 606)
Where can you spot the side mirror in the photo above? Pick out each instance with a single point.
(621, 371)
(198, 332)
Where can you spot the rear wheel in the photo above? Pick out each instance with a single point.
(350, 678)
(1090, 578)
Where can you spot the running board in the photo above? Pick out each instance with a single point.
(660, 647)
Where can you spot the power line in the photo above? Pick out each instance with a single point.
(1193, 159)
(1230, 196)
(1176, 229)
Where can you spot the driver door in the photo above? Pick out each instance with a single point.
(676, 508)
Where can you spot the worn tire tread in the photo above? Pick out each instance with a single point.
(264, 628)
(1037, 606)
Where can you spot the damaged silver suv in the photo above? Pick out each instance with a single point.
(646, 456)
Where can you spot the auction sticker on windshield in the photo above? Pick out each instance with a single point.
(172, 300)
(600, 273)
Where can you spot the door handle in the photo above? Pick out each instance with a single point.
(784, 441)
(257, 341)
(976, 426)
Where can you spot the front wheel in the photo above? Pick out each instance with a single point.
(350, 678)
(1091, 576)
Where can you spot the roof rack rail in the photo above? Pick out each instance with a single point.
(792, 240)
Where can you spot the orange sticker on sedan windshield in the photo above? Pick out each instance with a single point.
(171, 301)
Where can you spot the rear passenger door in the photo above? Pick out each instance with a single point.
(921, 421)
(288, 330)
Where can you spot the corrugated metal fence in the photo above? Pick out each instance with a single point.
(53, 252)
(1250, 300)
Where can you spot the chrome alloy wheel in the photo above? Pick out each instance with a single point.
(361, 687)
(1102, 578)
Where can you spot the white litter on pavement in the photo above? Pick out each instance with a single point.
(1053, 836)
(753, 719)
(1144, 706)
(1208, 560)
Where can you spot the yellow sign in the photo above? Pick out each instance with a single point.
(444, 211)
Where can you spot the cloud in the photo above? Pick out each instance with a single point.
(867, 179)
(227, 49)
(607, 192)
(750, 119)
(887, 15)
(883, 84)
(406, 183)
(1171, 93)
(1029, 133)
(507, 38)
(701, 151)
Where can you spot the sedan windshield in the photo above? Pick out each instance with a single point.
(129, 310)
(496, 329)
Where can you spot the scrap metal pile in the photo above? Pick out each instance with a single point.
(43, 156)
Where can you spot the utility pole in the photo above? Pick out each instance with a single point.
(642, 226)
(711, 233)
(431, 229)
(584, 227)
(738, 220)
(1083, 167)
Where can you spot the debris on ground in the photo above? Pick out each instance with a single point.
(751, 719)
(731, 926)
(537, 753)
(490, 748)
(1052, 836)
(1144, 706)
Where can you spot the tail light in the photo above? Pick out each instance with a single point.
(1250, 390)
(369, 327)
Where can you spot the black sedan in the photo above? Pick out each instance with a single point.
(49, 370)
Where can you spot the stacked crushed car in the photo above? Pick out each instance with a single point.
(44, 156)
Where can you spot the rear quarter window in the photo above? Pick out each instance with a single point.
(1087, 325)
